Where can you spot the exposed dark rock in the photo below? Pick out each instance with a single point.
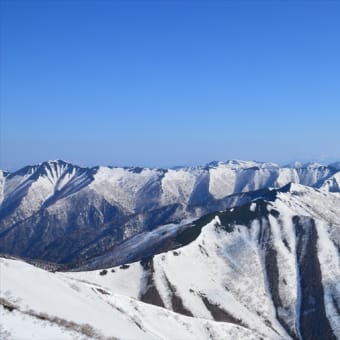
(272, 269)
(314, 323)
(219, 314)
(176, 301)
(124, 266)
(150, 293)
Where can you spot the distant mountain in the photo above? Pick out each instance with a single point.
(60, 212)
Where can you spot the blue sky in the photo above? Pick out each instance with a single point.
(162, 83)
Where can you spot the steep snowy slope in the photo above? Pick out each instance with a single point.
(332, 184)
(35, 304)
(57, 205)
(272, 265)
(128, 187)
(3, 175)
(34, 187)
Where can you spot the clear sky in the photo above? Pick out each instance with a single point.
(162, 83)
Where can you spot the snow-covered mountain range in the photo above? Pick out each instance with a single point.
(268, 268)
(60, 212)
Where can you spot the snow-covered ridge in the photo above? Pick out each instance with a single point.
(28, 190)
(239, 164)
(270, 265)
(234, 163)
(124, 185)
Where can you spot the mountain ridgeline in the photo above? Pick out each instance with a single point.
(271, 266)
(60, 212)
(234, 250)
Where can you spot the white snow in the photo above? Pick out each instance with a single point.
(79, 310)
(330, 268)
(222, 181)
(135, 191)
(332, 183)
(177, 186)
(2, 185)
(229, 268)
(122, 186)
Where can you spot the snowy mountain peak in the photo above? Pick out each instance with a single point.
(240, 164)
(312, 165)
(59, 165)
(294, 165)
(308, 165)
(54, 169)
(56, 162)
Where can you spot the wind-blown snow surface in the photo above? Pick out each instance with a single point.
(36, 304)
(271, 266)
(85, 211)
